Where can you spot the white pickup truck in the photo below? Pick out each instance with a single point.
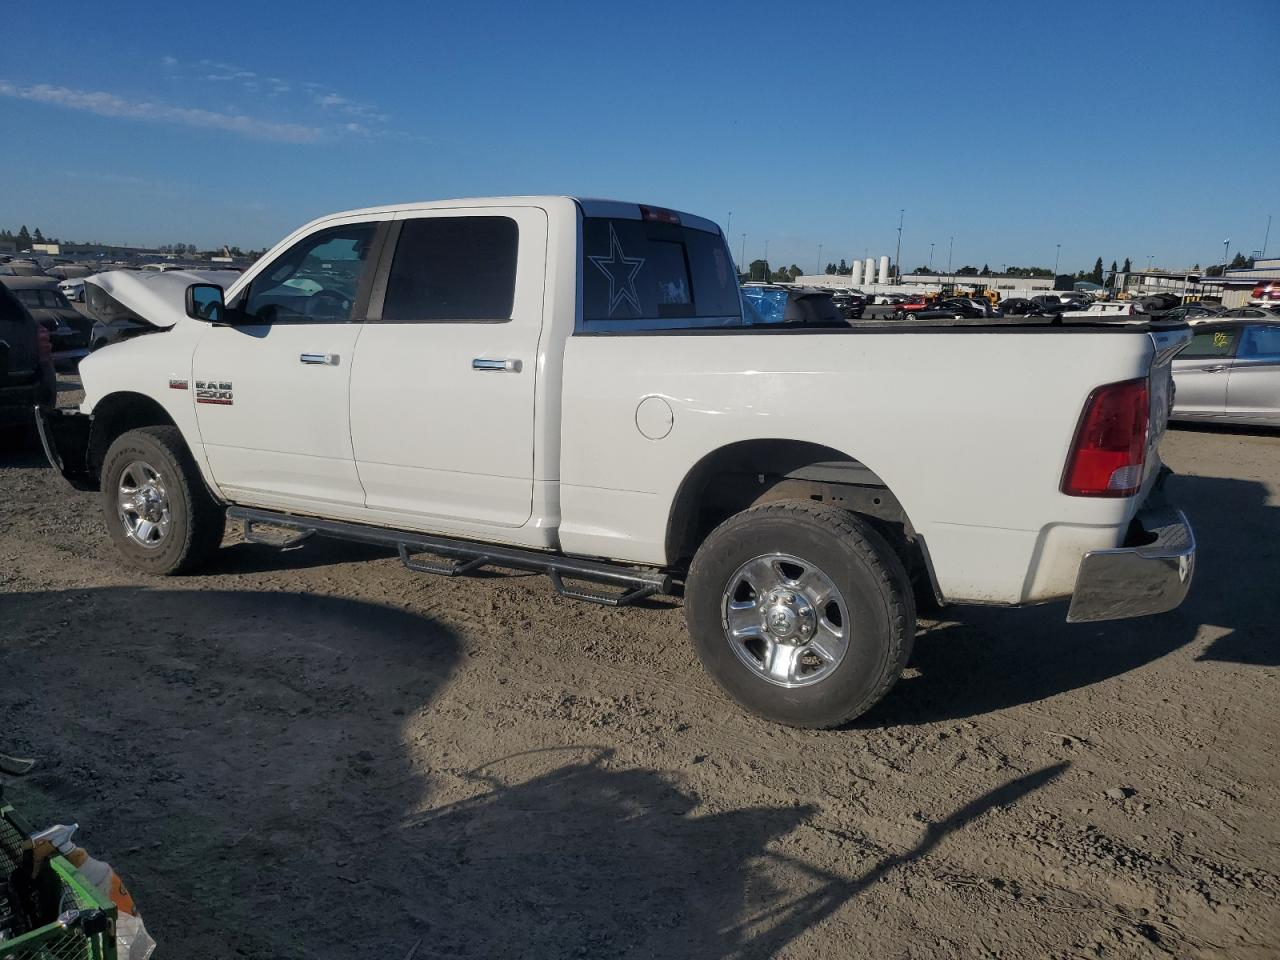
(570, 386)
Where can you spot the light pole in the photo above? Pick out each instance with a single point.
(1226, 255)
(931, 258)
(820, 266)
(1056, 258)
(728, 223)
(897, 267)
(950, 250)
(743, 259)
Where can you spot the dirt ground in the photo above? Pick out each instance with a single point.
(320, 754)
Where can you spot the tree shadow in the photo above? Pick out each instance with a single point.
(588, 859)
(990, 659)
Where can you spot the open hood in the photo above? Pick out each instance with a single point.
(156, 298)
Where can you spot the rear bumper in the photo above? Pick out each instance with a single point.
(1151, 576)
(64, 434)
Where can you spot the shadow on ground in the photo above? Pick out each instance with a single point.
(990, 659)
(251, 762)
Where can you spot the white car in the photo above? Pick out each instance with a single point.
(569, 386)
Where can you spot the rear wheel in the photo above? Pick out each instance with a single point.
(801, 612)
(157, 509)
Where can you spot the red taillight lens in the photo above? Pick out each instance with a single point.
(44, 349)
(1110, 447)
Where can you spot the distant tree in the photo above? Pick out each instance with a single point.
(1241, 263)
(37, 237)
(1096, 276)
(1128, 267)
(843, 268)
(830, 269)
(967, 271)
(1196, 268)
(236, 252)
(758, 271)
(985, 271)
(24, 238)
(922, 271)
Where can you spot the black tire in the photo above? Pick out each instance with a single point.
(196, 521)
(862, 566)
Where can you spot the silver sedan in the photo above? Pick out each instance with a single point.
(1230, 371)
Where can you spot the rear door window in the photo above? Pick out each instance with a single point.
(1260, 343)
(644, 274)
(453, 269)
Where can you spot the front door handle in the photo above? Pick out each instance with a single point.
(1216, 368)
(507, 366)
(329, 358)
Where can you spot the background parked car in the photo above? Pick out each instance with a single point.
(1193, 312)
(1230, 373)
(1266, 295)
(1249, 313)
(850, 303)
(26, 367)
(68, 328)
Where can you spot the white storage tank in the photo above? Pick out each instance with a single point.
(870, 266)
(884, 269)
(855, 274)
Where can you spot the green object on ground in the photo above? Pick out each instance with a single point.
(75, 921)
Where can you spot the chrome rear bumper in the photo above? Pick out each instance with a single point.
(1152, 576)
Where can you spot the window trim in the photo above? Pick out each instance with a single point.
(378, 289)
(359, 305)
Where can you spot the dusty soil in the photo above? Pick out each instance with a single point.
(321, 754)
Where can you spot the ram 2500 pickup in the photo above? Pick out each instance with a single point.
(570, 386)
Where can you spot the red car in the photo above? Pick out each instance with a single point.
(912, 304)
(1266, 294)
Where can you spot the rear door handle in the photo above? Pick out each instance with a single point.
(506, 366)
(329, 358)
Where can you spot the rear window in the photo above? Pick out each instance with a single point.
(1260, 343)
(642, 274)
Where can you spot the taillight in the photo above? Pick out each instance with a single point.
(1110, 445)
(44, 349)
(660, 215)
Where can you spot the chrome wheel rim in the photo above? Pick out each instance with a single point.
(143, 504)
(785, 620)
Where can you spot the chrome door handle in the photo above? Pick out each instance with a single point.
(507, 366)
(329, 358)
(1216, 368)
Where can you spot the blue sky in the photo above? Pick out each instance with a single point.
(1144, 130)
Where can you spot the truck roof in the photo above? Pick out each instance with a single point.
(590, 206)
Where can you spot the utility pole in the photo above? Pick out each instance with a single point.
(820, 266)
(931, 258)
(1226, 256)
(950, 250)
(728, 223)
(743, 259)
(897, 257)
(1056, 258)
(1265, 238)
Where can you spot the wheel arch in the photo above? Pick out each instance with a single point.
(745, 473)
(118, 413)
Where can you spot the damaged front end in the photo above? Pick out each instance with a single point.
(65, 435)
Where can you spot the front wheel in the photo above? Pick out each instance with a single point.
(802, 613)
(158, 511)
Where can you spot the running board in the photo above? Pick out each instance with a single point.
(634, 583)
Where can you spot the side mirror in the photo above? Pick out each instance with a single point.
(204, 302)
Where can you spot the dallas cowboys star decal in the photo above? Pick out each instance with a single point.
(621, 271)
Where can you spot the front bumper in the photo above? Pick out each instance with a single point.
(64, 434)
(1151, 576)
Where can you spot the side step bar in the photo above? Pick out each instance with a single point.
(635, 583)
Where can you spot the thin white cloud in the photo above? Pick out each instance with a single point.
(349, 107)
(106, 104)
(169, 61)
